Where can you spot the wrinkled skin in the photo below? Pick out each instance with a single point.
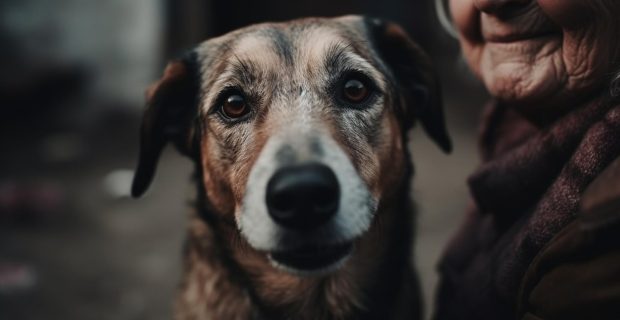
(539, 55)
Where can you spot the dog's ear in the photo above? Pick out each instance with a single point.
(171, 105)
(415, 76)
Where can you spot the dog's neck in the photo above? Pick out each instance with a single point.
(226, 279)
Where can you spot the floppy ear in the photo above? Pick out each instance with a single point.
(415, 76)
(171, 105)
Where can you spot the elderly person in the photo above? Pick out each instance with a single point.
(541, 239)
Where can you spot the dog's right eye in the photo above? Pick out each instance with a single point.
(234, 106)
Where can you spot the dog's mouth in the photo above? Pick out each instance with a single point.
(312, 259)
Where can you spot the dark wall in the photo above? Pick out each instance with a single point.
(191, 21)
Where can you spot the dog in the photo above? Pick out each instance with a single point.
(298, 131)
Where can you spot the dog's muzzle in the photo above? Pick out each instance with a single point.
(305, 197)
(305, 204)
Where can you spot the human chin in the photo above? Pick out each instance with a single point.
(526, 71)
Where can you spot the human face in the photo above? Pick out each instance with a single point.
(544, 52)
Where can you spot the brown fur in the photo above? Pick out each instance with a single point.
(225, 277)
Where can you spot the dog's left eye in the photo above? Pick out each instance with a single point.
(355, 89)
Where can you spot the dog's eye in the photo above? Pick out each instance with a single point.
(355, 90)
(235, 106)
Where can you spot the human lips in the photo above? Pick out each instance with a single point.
(495, 30)
(517, 37)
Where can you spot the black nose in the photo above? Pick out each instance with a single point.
(303, 196)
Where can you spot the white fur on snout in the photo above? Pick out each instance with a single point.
(356, 207)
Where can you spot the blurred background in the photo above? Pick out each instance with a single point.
(73, 245)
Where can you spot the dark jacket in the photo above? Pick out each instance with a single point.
(577, 275)
(527, 249)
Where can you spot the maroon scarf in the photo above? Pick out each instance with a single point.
(527, 189)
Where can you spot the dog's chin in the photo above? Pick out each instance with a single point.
(312, 261)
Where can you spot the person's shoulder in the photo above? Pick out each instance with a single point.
(600, 203)
(577, 275)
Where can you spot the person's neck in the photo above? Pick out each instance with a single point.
(544, 113)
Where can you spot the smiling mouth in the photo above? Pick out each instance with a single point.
(312, 258)
(518, 37)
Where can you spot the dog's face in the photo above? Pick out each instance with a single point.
(298, 129)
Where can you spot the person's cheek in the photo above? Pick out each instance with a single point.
(465, 17)
(568, 13)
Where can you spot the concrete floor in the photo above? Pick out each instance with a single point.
(104, 257)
